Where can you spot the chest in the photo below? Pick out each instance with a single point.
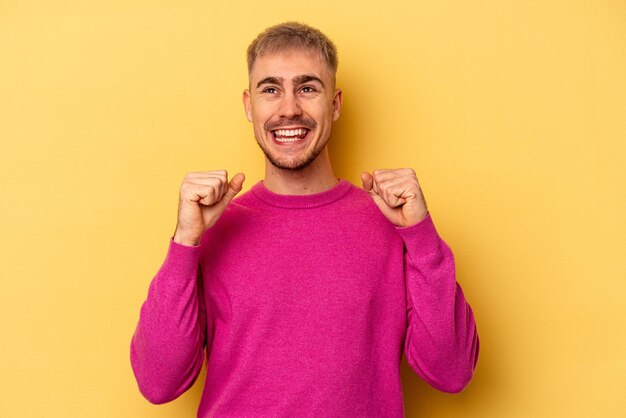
(296, 273)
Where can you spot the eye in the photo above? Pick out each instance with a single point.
(270, 90)
(308, 89)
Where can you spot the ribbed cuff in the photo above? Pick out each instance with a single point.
(182, 257)
(420, 239)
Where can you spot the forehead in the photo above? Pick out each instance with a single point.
(290, 63)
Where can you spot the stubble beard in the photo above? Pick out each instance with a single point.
(296, 163)
(292, 164)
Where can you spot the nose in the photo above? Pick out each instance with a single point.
(289, 106)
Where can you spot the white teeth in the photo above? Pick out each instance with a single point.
(289, 135)
(287, 139)
(289, 132)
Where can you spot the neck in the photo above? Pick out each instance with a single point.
(317, 177)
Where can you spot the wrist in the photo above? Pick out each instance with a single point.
(185, 239)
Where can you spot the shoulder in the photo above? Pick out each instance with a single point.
(361, 201)
(359, 207)
(242, 206)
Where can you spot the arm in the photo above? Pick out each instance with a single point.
(167, 349)
(441, 343)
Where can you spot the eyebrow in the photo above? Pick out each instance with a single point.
(307, 78)
(270, 80)
(300, 79)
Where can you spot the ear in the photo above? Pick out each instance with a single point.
(337, 100)
(247, 105)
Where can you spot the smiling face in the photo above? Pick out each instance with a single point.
(292, 103)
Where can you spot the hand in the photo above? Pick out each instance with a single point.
(203, 197)
(397, 194)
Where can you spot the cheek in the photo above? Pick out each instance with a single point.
(262, 115)
(258, 119)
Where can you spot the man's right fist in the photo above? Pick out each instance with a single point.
(203, 197)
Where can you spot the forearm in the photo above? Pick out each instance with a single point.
(442, 342)
(167, 348)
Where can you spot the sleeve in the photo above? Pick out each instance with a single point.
(167, 348)
(441, 342)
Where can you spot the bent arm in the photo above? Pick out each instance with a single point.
(441, 343)
(167, 348)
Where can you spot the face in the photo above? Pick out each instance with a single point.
(292, 103)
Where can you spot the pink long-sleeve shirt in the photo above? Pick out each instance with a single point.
(303, 306)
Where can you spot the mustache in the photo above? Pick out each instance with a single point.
(285, 122)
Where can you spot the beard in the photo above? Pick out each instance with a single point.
(296, 162)
(291, 163)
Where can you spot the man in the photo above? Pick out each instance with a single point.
(306, 290)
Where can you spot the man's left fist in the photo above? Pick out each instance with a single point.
(397, 194)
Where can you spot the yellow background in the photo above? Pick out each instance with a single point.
(513, 114)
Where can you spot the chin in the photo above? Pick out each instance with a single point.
(292, 164)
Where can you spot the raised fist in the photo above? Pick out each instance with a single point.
(203, 197)
(397, 194)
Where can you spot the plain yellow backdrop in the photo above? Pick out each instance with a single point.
(513, 114)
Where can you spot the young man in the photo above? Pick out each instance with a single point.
(305, 291)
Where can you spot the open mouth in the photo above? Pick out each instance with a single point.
(289, 136)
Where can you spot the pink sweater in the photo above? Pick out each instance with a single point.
(303, 306)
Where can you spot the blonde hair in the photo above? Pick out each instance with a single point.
(293, 35)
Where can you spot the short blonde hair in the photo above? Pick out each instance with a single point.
(293, 35)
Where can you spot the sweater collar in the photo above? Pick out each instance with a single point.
(301, 201)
